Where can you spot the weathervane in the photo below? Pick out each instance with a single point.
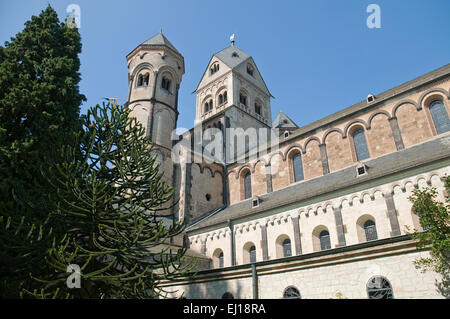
(232, 39)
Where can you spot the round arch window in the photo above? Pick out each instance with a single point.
(379, 288)
(291, 292)
(227, 295)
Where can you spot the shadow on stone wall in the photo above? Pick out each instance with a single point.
(213, 290)
(443, 286)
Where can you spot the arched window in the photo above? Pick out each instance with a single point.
(297, 167)
(287, 251)
(247, 185)
(359, 140)
(220, 99)
(208, 106)
(140, 80)
(243, 98)
(252, 252)
(214, 68)
(225, 99)
(440, 116)
(227, 295)
(324, 240)
(370, 229)
(250, 69)
(217, 257)
(143, 79)
(146, 79)
(165, 83)
(379, 288)
(291, 292)
(258, 108)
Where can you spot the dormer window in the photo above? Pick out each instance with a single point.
(255, 202)
(250, 69)
(234, 54)
(361, 169)
(165, 83)
(214, 68)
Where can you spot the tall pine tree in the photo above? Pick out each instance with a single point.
(39, 112)
(39, 99)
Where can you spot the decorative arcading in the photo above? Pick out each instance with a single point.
(323, 208)
(367, 125)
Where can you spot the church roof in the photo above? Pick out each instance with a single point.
(160, 39)
(283, 121)
(232, 56)
(393, 163)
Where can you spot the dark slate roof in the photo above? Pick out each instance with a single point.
(412, 157)
(283, 121)
(160, 39)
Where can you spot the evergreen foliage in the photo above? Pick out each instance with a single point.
(113, 202)
(39, 112)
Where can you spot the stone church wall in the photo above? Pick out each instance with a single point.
(408, 113)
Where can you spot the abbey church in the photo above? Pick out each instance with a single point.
(274, 210)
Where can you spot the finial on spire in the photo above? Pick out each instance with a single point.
(160, 30)
(232, 39)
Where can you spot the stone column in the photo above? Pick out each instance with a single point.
(187, 192)
(297, 239)
(152, 111)
(265, 251)
(396, 133)
(392, 214)
(232, 244)
(268, 179)
(324, 159)
(203, 251)
(339, 226)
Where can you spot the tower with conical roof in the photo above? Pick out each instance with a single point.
(232, 94)
(232, 79)
(155, 70)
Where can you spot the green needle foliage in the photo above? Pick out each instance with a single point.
(111, 201)
(39, 98)
(39, 112)
(435, 220)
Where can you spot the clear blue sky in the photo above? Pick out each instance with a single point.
(317, 57)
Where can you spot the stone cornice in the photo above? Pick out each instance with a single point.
(432, 153)
(365, 251)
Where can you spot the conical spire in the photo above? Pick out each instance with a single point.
(160, 39)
